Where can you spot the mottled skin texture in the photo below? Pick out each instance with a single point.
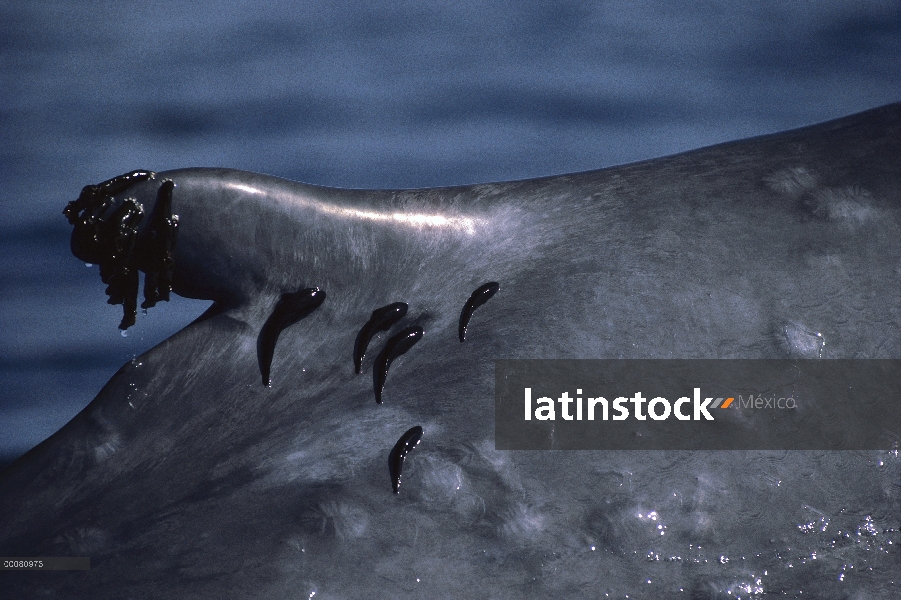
(185, 478)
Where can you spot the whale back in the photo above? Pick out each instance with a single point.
(186, 477)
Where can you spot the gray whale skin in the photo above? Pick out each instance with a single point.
(186, 478)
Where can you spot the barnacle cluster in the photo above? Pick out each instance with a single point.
(106, 233)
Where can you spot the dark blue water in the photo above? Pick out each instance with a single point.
(378, 94)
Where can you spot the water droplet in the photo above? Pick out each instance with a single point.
(88, 265)
(123, 333)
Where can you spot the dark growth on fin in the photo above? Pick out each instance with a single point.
(407, 442)
(107, 235)
(117, 270)
(290, 309)
(395, 347)
(93, 195)
(478, 298)
(157, 262)
(382, 319)
(110, 240)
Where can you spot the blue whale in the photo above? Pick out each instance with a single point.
(186, 478)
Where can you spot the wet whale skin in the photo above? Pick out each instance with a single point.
(185, 478)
